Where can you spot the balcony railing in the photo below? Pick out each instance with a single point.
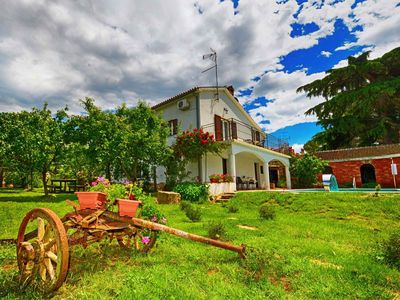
(248, 134)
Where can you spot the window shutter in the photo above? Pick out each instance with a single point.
(234, 130)
(218, 127)
(257, 136)
(175, 126)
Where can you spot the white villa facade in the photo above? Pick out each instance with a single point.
(220, 113)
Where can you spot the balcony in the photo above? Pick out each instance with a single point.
(233, 129)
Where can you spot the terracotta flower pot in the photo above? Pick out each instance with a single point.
(127, 207)
(214, 180)
(92, 200)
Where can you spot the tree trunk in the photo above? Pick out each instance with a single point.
(1, 175)
(44, 180)
(154, 178)
(108, 172)
(31, 181)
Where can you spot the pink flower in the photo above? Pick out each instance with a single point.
(145, 240)
(154, 219)
(94, 183)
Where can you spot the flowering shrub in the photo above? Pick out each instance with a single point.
(221, 178)
(193, 144)
(100, 185)
(150, 212)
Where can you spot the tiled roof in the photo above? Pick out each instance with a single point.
(360, 152)
(192, 90)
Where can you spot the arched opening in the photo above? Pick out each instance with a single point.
(367, 173)
(328, 170)
(249, 171)
(277, 174)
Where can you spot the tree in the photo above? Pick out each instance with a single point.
(362, 102)
(305, 169)
(32, 141)
(144, 139)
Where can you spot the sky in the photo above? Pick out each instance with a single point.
(126, 50)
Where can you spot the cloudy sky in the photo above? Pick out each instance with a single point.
(122, 51)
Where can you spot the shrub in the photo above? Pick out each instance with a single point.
(267, 212)
(192, 192)
(151, 212)
(391, 250)
(347, 185)
(216, 230)
(184, 205)
(369, 185)
(281, 184)
(305, 169)
(233, 208)
(193, 213)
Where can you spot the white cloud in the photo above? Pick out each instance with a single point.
(297, 147)
(128, 50)
(326, 53)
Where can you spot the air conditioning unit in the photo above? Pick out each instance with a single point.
(183, 104)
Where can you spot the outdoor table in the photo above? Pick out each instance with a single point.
(62, 183)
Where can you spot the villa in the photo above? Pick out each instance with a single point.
(217, 111)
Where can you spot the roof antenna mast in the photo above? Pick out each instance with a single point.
(213, 56)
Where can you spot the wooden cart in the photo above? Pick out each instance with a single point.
(44, 239)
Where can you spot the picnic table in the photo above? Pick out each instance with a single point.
(61, 185)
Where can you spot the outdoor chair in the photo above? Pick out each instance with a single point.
(239, 183)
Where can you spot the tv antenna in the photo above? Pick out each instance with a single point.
(213, 57)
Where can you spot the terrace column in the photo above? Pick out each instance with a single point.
(266, 176)
(232, 168)
(288, 180)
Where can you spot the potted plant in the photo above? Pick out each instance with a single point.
(96, 197)
(214, 178)
(126, 207)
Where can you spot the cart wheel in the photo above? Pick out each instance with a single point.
(43, 254)
(144, 240)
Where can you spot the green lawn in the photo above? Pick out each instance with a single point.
(320, 245)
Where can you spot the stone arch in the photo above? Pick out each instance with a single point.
(367, 172)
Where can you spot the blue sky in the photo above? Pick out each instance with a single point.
(127, 50)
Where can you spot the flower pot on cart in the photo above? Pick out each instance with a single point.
(91, 200)
(127, 207)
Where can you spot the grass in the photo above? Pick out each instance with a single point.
(320, 245)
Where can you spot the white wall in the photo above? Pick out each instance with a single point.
(187, 119)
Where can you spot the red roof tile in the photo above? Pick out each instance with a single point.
(360, 152)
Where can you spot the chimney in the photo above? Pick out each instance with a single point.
(231, 90)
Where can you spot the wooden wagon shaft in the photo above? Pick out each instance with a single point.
(155, 226)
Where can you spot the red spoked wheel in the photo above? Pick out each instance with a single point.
(43, 254)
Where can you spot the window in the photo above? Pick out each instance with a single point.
(173, 126)
(262, 169)
(225, 130)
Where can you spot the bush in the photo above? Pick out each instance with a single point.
(193, 213)
(369, 185)
(216, 231)
(192, 192)
(267, 212)
(391, 250)
(347, 185)
(184, 205)
(233, 208)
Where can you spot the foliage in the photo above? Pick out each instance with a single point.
(116, 191)
(192, 191)
(281, 183)
(267, 212)
(184, 205)
(304, 169)
(377, 190)
(346, 185)
(175, 169)
(232, 208)
(221, 178)
(32, 142)
(193, 213)
(362, 104)
(391, 250)
(369, 185)
(152, 213)
(194, 144)
(216, 230)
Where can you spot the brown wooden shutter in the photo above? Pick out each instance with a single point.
(258, 136)
(234, 130)
(175, 126)
(218, 127)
